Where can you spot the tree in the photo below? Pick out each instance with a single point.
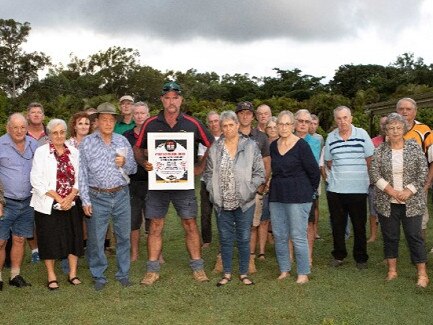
(18, 69)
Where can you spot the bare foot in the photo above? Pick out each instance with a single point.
(302, 279)
(371, 240)
(283, 275)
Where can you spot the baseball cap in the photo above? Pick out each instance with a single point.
(171, 86)
(106, 108)
(126, 97)
(244, 106)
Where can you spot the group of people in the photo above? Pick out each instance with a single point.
(64, 192)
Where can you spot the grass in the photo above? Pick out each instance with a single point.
(333, 296)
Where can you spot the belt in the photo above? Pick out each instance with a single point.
(15, 200)
(107, 190)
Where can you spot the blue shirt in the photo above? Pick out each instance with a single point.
(315, 145)
(349, 172)
(97, 167)
(15, 167)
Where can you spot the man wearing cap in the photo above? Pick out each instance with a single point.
(245, 113)
(106, 159)
(16, 156)
(170, 119)
(125, 122)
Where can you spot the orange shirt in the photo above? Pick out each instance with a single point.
(422, 134)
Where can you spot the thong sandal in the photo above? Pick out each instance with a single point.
(223, 281)
(52, 282)
(246, 280)
(72, 281)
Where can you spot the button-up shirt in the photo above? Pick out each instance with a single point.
(97, 167)
(15, 167)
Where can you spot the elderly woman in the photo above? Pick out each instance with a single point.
(234, 170)
(295, 178)
(79, 127)
(399, 170)
(271, 129)
(54, 178)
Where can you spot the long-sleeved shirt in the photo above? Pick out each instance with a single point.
(97, 167)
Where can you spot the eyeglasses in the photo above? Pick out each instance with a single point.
(394, 128)
(284, 124)
(303, 121)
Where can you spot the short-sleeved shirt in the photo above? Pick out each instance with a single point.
(15, 167)
(185, 123)
(422, 134)
(121, 127)
(262, 141)
(349, 172)
(315, 146)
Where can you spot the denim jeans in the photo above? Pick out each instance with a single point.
(235, 224)
(390, 227)
(105, 205)
(290, 221)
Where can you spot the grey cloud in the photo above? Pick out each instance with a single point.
(227, 20)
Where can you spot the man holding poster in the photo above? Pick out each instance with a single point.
(170, 120)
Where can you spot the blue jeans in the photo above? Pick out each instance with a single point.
(290, 220)
(105, 205)
(231, 224)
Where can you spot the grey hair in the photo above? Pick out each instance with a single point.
(35, 104)
(272, 119)
(144, 104)
(54, 122)
(288, 113)
(406, 99)
(340, 108)
(212, 113)
(16, 115)
(314, 117)
(302, 111)
(395, 117)
(264, 105)
(228, 115)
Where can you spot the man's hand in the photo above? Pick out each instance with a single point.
(87, 210)
(119, 161)
(147, 166)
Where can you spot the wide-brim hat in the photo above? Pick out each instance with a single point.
(106, 108)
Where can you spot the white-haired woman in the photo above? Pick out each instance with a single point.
(54, 178)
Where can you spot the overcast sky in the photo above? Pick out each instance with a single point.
(239, 36)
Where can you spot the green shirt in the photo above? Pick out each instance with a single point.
(121, 127)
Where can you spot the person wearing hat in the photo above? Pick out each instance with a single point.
(245, 113)
(125, 121)
(106, 159)
(170, 119)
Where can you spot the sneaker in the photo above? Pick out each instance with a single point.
(125, 282)
(99, 285)
(150, 278)
(362, 266)
(336, 263)
(35, 258)
(200, 276)
(19, 282)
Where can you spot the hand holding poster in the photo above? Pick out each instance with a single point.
(172, 157)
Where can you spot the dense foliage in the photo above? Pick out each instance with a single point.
(109, 74)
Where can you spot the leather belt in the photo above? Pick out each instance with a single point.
(107, 190)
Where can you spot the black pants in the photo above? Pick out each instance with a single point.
(206, 208)
(390, 227)
(340, 206)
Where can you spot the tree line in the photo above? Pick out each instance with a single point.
(116, 71)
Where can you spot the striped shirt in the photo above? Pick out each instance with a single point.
(97, 167)
(349, 172)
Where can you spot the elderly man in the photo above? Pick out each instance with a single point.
(245, 113)
(170, 119)
(348, 152)
(418, 131)
(263, 115)
(105, 160)
(313, 129)
(138, 185)
(303, 121)
(206, 206)
(126, 121)
(16, 155)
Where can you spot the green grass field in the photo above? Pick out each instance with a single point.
(333, 296)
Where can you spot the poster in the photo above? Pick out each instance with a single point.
(172, 157)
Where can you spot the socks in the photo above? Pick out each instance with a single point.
(15, 272)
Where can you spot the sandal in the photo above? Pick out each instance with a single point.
(73, 281)
(223, 281)
(422, 281)
(392, 275)
(246, 280)
(262, 257)
(52, 282)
